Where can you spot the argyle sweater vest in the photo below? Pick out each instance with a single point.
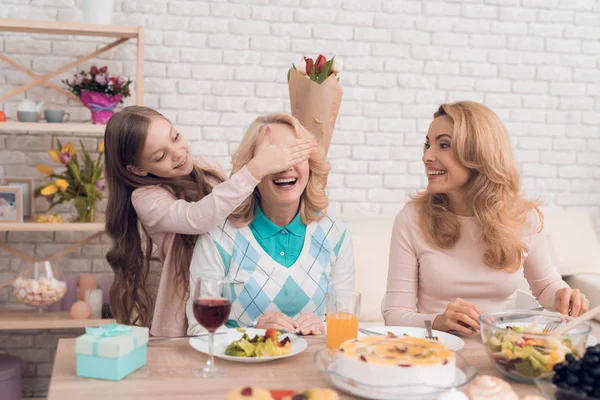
(259, 284)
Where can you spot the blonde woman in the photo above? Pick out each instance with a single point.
(280, 251)
(460, 248)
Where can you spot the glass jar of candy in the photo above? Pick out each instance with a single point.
(39, 285)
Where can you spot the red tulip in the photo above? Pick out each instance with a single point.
(309, 65)
(320, 63)
(103, 69)
(94, 70)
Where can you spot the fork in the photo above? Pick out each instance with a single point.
(550, 327)
(428, 326)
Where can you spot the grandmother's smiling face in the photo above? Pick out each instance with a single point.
(286, 187)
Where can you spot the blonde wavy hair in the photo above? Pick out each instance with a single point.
(481, 143)
(314, 201)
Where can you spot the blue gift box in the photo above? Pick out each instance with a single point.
(111, 351)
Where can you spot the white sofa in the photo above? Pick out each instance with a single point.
(570, 234)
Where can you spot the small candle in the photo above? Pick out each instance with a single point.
(93, 297)
(105, 284)
(72, 294)
(86, 282)
(80, 310)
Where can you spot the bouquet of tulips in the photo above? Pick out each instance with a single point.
(316, 95)
(81, 183)
(318, 70)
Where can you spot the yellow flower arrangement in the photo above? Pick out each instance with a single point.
(81, 183)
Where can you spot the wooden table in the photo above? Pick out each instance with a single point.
(169, 374)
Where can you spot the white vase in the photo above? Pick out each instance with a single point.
(98, 11)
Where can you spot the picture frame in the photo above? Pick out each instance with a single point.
(11, 204)
(26, 185)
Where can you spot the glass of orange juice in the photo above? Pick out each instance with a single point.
(342, 317)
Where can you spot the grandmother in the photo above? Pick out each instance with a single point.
(280, 251)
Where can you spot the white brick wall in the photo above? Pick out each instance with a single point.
(213, 66)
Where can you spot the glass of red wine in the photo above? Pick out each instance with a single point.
(212, 305)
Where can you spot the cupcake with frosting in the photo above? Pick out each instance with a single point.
(249, 393)
(487, 387)
(452, 394)
(314, 394)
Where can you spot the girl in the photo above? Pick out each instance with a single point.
(460, 247)
(280, 249)
(153, 180)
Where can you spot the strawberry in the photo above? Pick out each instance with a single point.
(271, 333)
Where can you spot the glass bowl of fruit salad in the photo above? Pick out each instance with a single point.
(574, 379)
(517, 345)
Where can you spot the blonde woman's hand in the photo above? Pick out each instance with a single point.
(460, 316)
(276, 320)
(271, 158)
(571, 302)
(310, 324)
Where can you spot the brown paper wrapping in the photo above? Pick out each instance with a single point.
(315, 105)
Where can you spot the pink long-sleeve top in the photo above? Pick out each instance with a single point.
(423, 278)
(163, 216)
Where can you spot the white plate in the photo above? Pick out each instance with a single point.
(222, 341)
(452, 342)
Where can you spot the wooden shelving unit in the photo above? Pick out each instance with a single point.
(31, 319)
(95, 228)
(33, 127)
(20, 320)
(122, 33)
(69, 28)
(40, 227)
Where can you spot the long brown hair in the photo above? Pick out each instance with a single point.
(313, 202)
(132, 250)
(481, 143)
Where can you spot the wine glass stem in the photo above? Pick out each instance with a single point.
(210, 363)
